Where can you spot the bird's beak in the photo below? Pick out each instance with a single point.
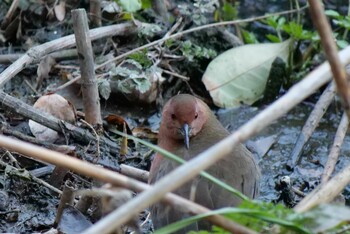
(186, 133)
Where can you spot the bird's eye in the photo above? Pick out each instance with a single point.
(173, 116)
(196, 116)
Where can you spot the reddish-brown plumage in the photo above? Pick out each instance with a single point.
(184, 114)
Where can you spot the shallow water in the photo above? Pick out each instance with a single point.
(287, 129)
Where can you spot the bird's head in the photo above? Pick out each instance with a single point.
(183, 117)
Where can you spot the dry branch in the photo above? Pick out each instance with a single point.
(134, 172)
(311, 124)
(89, 87)
(335, 150)
(6, 20)
(330, 48)
(67, 197)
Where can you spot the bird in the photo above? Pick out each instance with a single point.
(188, 127)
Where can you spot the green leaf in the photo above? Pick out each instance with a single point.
(273, 38)
(146, 4)
(229, 11)
(293, 29)
(281, 21)
(239, 75)
(142, 84)
(249, 37)
(142, 58)
(127, 16)
(130, 5)
(149, 30)
(343, 22)
(333, 14)
(276, 22)
(257, 213)
(272, 21)
(190, 51)
(342, 44)
(104, 88)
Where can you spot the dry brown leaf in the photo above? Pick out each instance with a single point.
(60, 10)
(118, 122)
(57, 106)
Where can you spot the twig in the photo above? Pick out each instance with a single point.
(146, 220)
(31, 87)
(171, 31)
(185, 78)
(173, 28)
(67, 198)
(134, 172)
(58, 56)
(72, 67)
(311, 124)
(9, 14)
(330, 48)
(115, 179)
(298, 192)
(40, 181)
(186, 172)
(91, 99)
(176, 35)
(12, 159)
(335, 150)
(98, 151)
(9, 212)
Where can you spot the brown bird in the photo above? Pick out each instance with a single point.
(188, 128)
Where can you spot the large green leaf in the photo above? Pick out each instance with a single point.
(239, 75)
(131, 5)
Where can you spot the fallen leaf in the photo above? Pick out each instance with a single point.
(239, 75)
(57, 106)
(60, 10)
(118, 122)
